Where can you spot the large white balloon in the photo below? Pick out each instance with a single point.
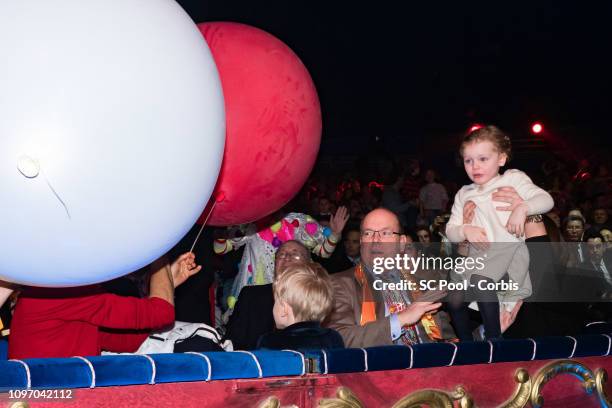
(112, 130)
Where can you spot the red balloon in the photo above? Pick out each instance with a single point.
(273, 120)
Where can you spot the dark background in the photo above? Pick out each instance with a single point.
(412, 77)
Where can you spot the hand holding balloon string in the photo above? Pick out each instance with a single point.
(183, 268)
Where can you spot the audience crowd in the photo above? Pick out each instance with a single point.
(302, 278)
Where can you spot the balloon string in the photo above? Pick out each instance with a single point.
(212, 207)
(57, 196)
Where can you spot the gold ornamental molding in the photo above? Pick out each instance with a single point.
(528, 391)
(521, 395)
(590, 381)
(19, 404)
(600, 381)
(344, 399)
(270, 402)
(436, 399)
(274, 402)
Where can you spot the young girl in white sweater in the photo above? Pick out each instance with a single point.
(484, 152)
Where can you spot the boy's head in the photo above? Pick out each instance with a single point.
(303, 292)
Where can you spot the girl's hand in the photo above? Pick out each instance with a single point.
(516, 222)
(476, 236)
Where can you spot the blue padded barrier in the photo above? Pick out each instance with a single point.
(592, 345)
(233, 365)
(59, 373)
(114, 370)
(444, 354)
(13, 375)
(512, 350)
(181, 367)
(342, 361)
(433, 354)
(127, 369)
(473, 352)
(122, 369)
(280, 363)
(556, 347)
(598, 328)
(389, 358)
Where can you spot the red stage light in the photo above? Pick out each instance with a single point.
(537, 128)
(475, 126)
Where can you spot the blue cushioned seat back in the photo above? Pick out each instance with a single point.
(114, 370)
(445, 354)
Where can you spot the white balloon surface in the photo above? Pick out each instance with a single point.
(112, 130)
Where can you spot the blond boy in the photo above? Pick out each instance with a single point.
(303, 297)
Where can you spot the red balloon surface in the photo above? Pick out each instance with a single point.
(273, 120)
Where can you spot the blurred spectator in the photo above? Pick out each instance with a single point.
(573, 230)
(410, 193)
(432, 197)
(392, 199)
(355, 209)
(554, 216)
(325, 207)
(607, 236)
(600, 219)
(424, 240)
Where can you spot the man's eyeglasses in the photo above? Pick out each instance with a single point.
(285, 256)
(384, 234)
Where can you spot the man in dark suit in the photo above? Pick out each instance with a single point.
(252, 316)
(366, 317)
(596, 271)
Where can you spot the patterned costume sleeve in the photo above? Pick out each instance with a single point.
(318, 239)
(223, 246)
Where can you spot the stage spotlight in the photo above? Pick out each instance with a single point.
(537, 128)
